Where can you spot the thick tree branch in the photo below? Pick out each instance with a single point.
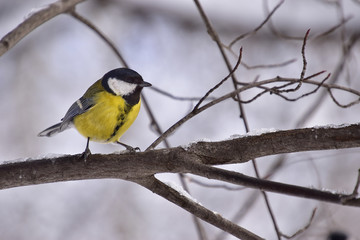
(35, 20)
(247, 86)
(307, 139)
(196, 159)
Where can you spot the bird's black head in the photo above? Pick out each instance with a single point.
(126, 83)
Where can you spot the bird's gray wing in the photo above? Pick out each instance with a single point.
(77, 108)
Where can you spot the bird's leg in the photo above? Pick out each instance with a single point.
(87, 152)
(129, 148)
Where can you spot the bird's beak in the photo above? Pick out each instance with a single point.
(145, 84)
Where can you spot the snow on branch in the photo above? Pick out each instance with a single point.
(196, 158)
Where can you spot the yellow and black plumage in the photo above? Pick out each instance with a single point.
(106, 110)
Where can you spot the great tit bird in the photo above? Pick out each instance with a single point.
(106, 110)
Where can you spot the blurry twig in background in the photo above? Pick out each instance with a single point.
(332, 29)
(165, 93)
(298, 232)
(342, 105)
(252, 32)
(101, 35)
(275, 65)
(274, 31)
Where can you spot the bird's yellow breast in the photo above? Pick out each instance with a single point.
(108, 119)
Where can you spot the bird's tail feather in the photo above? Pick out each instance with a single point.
(50, 131)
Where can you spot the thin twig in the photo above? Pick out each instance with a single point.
(303, 56)
(272, 28)
(101, 34)
(276, 88)
(267, 202)
(213, 34)
(275, 65)
(333, 29)
(308, 93)
(165, 93)
(355, 192)
(233, 94)
(277, 92)
(216, 38)
(302, 229)
(334, 78)
(303, 71)
(221, 82)
(342, 105)
(257, 28)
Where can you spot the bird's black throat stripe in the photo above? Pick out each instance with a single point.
(121, 119)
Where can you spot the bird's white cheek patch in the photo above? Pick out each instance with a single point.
(120, 87)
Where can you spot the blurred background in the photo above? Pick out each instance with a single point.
(167, 43)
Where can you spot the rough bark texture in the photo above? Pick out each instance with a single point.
(193, 159)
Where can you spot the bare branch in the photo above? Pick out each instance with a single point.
(303, 55)
(302, 229)
(233, 94)
(357, 184)
(305, 94)
(342, 105)
(220, 46)
(220, 83)
(245, 207)
(332, 29)
(195, 208)
(35, 20)
(196, 159)
(334, 78)
(303, 71)
(272, 27)
(257, 28)
(199, 227)
(355, 192)
(165, 93)
(101, 34)
(275, 65)
(277, 90)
